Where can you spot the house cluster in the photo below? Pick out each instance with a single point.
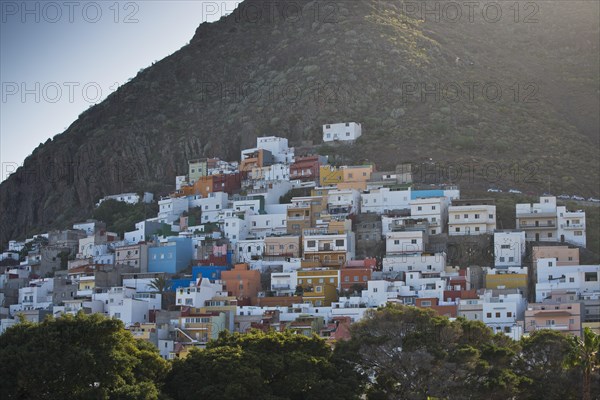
(284, 240)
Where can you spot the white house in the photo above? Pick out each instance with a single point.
(571, 226)
(197, 295)
(547, 222)
(143, 230)
(502, 312)
(278, 147)
(509, 248)
(343, 202)
(272, 191)
(235, 229)
(345, 131)
(581, 279)
(211, 206)
(434, 209)
(263, 225)
(381, 201)
(471, 220)
(403, 242)
(171, 208)
(36, 296)
(284, 283)
(424, 262)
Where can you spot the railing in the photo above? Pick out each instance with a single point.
(280, 287)
(537, 226)
(557, 327)
(572, 226)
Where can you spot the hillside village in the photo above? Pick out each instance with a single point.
(283, 240)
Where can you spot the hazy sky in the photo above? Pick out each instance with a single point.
(57, 58)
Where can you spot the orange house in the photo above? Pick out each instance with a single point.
(241, 281)
(351, 276)
(228, 183)
(449, 310)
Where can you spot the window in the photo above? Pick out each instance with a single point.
(419, 208)
(433, 207)
(466, 216)
(396, 242)
(426, 303)
(571, 280)
(549, 234)
(497, 315)
(578, 233)
(501, 259)
(505, 246)
(476, 229)
(591, 276)
(319, 289)
(571, 321)
(476, 216)
(457, 229)
(310, 243)
(508, 314)
(491, 216)
(339, 242)
(457, 216)
(413, 241)
(346, 279)
(433, 231)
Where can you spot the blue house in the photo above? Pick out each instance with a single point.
(180, 283)
(211, 272)
(171, 257)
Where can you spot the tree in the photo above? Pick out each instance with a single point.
(412, 353)
(84, 357)
(262, 365)
(162, 285)
(543, 362)
(586, 355)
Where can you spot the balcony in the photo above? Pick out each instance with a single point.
(572, 226)
(280, 287)
(289, 218)
(555, 327)
(538, 226)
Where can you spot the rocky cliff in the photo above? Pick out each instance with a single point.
(519, 91)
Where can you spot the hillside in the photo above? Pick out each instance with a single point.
(364, 61)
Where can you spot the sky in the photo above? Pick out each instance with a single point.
(58, 58)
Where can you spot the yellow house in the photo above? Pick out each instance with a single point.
(330, 176)
(514, 278)
(320, 286)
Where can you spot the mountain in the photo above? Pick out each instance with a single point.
(425, 87)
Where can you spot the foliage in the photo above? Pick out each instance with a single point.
(162, 285)
(262, 365)
(414, 354)
(543, 363)
(121, 217)
(84, 357)
(585, 354)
